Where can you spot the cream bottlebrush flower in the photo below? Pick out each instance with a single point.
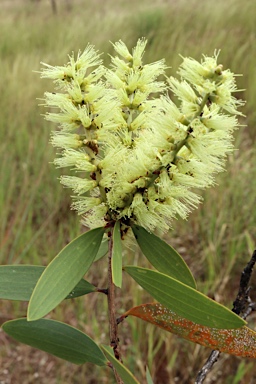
(75, 69)
(84, 204)
(66, 140)
(77, 159)
(82, 109)
(79, 185)
(209, 78)
(178, 148)
(137, 159)
(134, 82)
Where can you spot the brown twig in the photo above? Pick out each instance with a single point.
(113, 333)
(241, 306)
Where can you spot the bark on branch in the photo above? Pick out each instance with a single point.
(242, 306)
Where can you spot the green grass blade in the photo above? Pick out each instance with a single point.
(116, 260)
(122, 371)
(185, 301)
(148, 377)
(56, 338)
(63, 273)
(18, 281)
(163, 257)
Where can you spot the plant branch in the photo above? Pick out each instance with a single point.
(113, 333)
(241, 306)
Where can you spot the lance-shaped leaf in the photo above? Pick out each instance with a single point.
(18, 281)
(239, 342)
(57, 338)
(63, 273)
(184, 300)
(116, 260)
(122, 371)
(163, 257)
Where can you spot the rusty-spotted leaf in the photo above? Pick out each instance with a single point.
(239, 341)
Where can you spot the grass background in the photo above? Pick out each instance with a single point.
(36, 222)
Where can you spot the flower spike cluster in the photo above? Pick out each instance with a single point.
(135, 155)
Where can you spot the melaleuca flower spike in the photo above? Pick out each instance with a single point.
(82, 108)
(137, 158)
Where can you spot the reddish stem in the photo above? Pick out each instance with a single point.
(113, 332)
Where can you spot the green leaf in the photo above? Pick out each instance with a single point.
(103, 250)
(148, 377)
(63, 273)
(81, 289)
(18, 281)
(116, 261)
(57, 338)
(184, 300)
(239, 342)
(163, 257)
(122, 371)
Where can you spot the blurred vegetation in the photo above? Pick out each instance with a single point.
(36, 222)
